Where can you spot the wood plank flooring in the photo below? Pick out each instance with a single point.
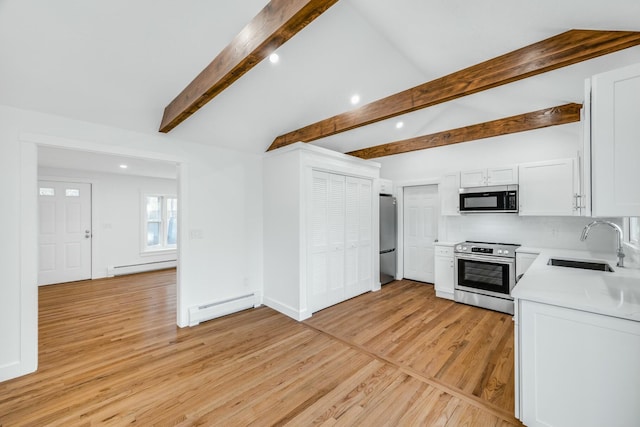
(110, 354)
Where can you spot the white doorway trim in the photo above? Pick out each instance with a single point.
(399, 186)
(29, 143)
(29, 177)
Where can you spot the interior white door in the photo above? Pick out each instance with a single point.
(358, 236)
(64, 212)
(327, 240)
(420, 223)
(336, 223)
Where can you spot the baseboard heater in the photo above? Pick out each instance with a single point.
(121, 270)
(212, 310)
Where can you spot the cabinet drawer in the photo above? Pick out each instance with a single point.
(444, 251)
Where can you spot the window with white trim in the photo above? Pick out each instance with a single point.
(160, 222)
(634, 230)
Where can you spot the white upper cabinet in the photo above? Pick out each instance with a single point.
(449, 190)
(614, 143)
(549, 188)
(386, 186)
(491, 176)
(473, 178)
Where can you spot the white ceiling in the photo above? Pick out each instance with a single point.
(59, 158)
(120, 62)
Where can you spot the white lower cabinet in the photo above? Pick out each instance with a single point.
(575, 368)
(444, 266)
(549, 188)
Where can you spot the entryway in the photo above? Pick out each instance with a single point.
(64, 225)
(420, 225)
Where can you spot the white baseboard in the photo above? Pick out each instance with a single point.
(444, 294)
(298, 315)
(140, 268)
(214, 309)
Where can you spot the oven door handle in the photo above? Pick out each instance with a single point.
(485, 258)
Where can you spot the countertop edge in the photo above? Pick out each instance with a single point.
(585, 290)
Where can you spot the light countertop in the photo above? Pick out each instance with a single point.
(614, 293)
(445, 243)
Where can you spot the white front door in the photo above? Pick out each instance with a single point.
(420, 225)
(64, 212)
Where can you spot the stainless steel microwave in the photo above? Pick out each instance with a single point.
(492, 199)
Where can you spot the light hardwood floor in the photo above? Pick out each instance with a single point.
(110, 354)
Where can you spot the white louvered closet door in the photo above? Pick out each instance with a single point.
(326, 242)
(336, 224)
(340, 239)
(358, 217)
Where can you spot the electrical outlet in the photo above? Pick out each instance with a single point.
(196, 234)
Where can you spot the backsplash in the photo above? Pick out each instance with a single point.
(546, 232)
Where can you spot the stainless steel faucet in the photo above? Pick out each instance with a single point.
(620, 252)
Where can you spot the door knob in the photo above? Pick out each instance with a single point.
(87, 234)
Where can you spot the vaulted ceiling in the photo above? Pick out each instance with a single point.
(120, 63)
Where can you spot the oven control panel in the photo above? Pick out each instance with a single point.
(484, 248)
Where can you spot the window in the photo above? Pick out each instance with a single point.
(634, 230)
(160, 222)
(47, 191)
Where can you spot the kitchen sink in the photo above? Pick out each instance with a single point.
(585, 265)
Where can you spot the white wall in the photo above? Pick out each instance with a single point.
(116, 202)
(220, 203)
(542, 144)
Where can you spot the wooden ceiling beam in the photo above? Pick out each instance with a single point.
(559, 51)
(278, 22)
(563, 114)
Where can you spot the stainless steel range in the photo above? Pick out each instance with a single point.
(485, 274)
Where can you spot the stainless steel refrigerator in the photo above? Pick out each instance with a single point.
(387, 238)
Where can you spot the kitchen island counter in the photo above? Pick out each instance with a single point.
(614, 293)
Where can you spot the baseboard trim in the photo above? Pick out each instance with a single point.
(285, 309)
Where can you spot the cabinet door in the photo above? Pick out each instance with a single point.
(449, 191)
(444, 276)
(473, 178)
(359, 249)
(577, 368)
(502, 176)
(548, 188)
(615, 142)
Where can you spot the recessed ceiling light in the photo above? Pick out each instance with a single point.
(123, 166)
(274, 58)
(399, 125)
(355, 99)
